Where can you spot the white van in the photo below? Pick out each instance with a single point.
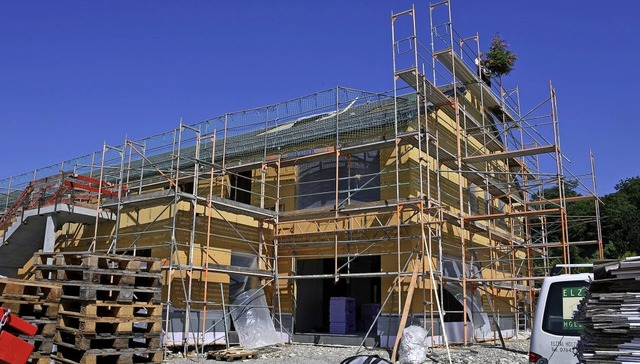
(554, 335)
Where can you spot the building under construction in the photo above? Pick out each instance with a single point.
(425, 204)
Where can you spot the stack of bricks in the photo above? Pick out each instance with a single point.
(37, 303)
(110, 310)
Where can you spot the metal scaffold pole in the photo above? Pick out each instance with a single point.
(596, 202)
(426, 207)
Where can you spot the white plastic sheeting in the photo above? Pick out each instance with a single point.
(252, 320)
(452, 267)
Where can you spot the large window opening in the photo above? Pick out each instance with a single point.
(239, 283)
(358, 181)
(240, 190)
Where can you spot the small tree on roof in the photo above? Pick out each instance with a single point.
(500, 60)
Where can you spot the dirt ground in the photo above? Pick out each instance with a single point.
(516, 352)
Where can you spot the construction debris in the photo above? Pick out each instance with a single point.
(110, 309)
(413, 347)
(516, 353)
(610, 314)
(236, 353)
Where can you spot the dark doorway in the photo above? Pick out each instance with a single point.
(314, 295)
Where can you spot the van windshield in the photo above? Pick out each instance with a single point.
(562, 300)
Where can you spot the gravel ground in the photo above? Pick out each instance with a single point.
(488, 353)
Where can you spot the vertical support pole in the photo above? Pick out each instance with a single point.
(120, 186)
(336, 213)
(93, 160)
(6, 206)
(224, 153)
(294, 294)
(124, 147)
(434, 287)
(263, 183)
(94, 242)
(142, 161)
(560, 179)
(597, 204)
(209, 213)
(224, 318)
(459, 156)
(275, 245)
(178, 196)
(396, 151)
(529, 251)
(175, 164)
(192, 197)
(194, 215)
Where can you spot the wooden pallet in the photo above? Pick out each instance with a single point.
(38, 358)
(232, 354)
(70, 355)
(30, 309)
(40, 343)
(105, 341)
(97, 292)
(27, 291)
(110, 309)
(100, 260)
(43, 346)
(109, 325)
(113, 277)
(46, 326)
(42, 258)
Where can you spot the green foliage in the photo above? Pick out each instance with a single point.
(620, 216)
(500, 60)
(575, 212)
(621, 219)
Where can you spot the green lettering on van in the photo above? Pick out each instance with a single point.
(571, 325)
(574, 292)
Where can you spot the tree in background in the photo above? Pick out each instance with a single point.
(582, 227)
(621, 219)
(620, 216)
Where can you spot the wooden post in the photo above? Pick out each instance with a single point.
(417, 263)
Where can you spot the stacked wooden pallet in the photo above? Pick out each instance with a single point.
(610, 314)
(37, 303)
(110, 310)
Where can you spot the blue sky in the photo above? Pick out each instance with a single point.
(74, 74)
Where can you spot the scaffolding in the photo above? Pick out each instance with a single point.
(437, 186)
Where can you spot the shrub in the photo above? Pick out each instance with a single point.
(500, 60)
